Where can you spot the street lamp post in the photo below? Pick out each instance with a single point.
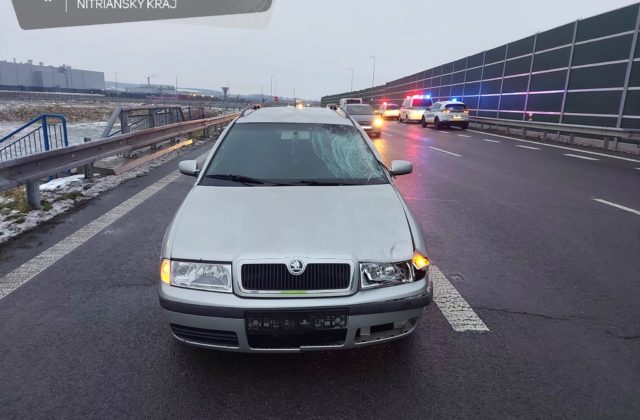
(272, 76)
(176, 84)
(117, 92)
(373, 83)
(351, 68)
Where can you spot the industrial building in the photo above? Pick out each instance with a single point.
(40, 78)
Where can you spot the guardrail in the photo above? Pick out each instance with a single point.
(609, 135)
(31, 169)
(41, 134)
(139, 118)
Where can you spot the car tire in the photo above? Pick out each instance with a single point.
(423, 122)
(436, 124)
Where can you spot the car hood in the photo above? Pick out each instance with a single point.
(363, 119)
(365, 223)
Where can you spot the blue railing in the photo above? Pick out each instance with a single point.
(44, 133)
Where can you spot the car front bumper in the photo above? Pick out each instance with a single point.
(218, 320)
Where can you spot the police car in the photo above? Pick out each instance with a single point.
(447, 114)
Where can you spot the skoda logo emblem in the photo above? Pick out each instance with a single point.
(296, 267)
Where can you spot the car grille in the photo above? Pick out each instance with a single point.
(208, 337)
(276, 277)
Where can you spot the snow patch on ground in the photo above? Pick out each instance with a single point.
(62, 183)
(65, 194)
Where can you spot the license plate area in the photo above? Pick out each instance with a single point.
(295, 322)
(296, 329)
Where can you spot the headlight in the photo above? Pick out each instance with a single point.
(377, 122)
(385, 274)
(200, 276)
(391, 274)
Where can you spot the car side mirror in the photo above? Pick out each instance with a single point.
(189, 167)
(401, 167)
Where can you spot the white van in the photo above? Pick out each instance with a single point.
(413, 108)
(349, 101)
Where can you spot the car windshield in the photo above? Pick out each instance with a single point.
(267, 154)
(359, 109)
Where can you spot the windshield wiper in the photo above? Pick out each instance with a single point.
(321, 183)
(247, 180)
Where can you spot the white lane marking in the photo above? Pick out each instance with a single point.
(609, 203)
(55, 253)
(560, 147)
(527, 147)
(444, 151)
(580, 157)
(463, 135)
(41, 262)
(492, 141)
(441, 131)
(387, 134)
(455, 309)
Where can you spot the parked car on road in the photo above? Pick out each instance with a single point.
(293, 238)
(447, 114)
(364, 115)
(413, 108)
(390, 111)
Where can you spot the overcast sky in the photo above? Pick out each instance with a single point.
(308, 45)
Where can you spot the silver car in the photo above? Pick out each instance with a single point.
(364, 115)
(293, 238)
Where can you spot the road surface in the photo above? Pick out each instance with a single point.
(543, 243)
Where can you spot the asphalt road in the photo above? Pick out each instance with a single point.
(551, 272)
